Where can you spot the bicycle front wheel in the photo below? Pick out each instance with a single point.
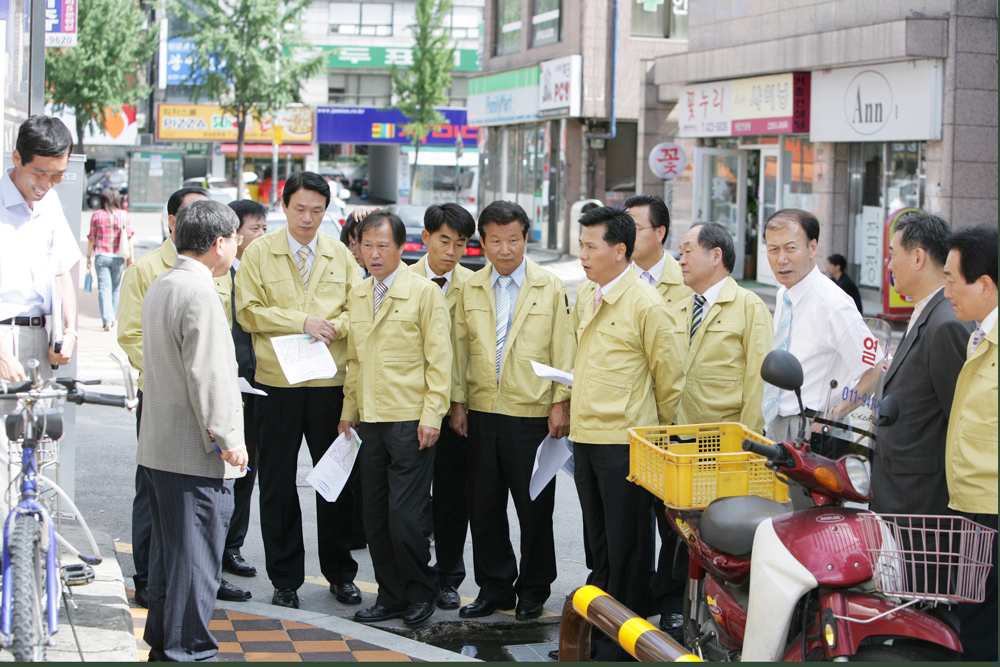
(29, 624)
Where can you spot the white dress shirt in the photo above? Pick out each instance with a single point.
(389, 279)
(294, 246)
(989, 322)
(712, 295)
(611, 285)
(513, 289)
(202, 269)
(36, 245)
(655, 271)
(447, 277)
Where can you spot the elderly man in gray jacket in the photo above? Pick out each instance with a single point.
(191, 444)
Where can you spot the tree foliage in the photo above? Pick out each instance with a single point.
(427, 82)
(248, 57)
(97, 77)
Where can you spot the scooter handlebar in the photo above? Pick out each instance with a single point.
(770, 452)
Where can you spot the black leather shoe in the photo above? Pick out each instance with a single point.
(448, 598)
(142, 597)
(234, 564)
(376, 613)
(554, 654)
(418, 612)
(346, 593)
(285, 597)
(232, 593)
(673, 625)
(481, 607)
(527, 610)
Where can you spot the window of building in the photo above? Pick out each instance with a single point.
(466, 22)
(508, 38)
(668, 18)
(545, 22)
(368, 90)
(361, 18)
(459, 92)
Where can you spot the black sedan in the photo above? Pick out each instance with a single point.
(414, 248)
(96, 182)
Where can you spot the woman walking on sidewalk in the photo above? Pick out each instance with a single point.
(110, 239)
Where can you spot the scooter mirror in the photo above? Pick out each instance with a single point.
(888, 411)
(782, 369)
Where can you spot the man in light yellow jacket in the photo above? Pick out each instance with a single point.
(447, 230)
(398, 381)
(510, 314)
(971, 448)
(295, 281)
(649, 260)
(628, 373)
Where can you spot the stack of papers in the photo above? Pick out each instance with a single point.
(553, 374)
(301, 360)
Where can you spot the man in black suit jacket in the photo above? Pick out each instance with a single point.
(253, 225)
(836, 266)
(908, 469)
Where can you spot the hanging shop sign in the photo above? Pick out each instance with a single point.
(368, 125)
(760, 105)
(381, 57)
(505, 97)
(667, 161)
(206, 122)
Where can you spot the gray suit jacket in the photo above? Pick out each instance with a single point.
(191, 398)
(908, 469)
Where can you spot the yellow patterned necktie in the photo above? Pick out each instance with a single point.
(303, 264)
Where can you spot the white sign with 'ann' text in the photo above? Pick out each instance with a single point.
(559, 86)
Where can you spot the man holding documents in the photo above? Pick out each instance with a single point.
(510, 314)
(292, 282)
(193, 428)
(628, 373)
(398, 380)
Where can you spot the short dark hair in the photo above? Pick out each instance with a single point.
(838, 260)
(110, 199)
(379, 218)
(305, 180)
(452, 215)
(45, 136)
(977, 247)
(503, 213)
(176, 199)
(804, 219)
(713, 235)
(201, 224)
(247, 208)
(619, 227)
(349, 229)
(923, 230)
(659, 214)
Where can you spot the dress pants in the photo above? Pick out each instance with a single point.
(501, 455)
(978, 622)
(284, 416)
(450, 506)
(396, 485)
(243, 488)
(668, 592)
(190, 517)
(142, 522)
(618, 525)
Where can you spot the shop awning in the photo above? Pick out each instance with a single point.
(264, 150)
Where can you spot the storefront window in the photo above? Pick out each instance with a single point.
(513, 142)
(545, 22)
(798, 176)
(490, 155)
(508, 38)
(902, 176)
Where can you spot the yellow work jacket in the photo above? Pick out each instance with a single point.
(135, 282)
(722, 380)
(541, 330)
(629, 363)
(399, 361)
(271, 300)
(671, 286)
(971, 450)
(459, 276)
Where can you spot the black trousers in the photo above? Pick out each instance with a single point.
(284, 416)
(979, 621)
(396, 485)
(190, 517)
(668, 592)
(243, 488)
(620, 531)
(501, 456)
(142, 523)
(450, 506)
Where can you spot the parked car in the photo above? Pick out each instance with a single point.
(414, 248)
(116, 178)
(219, 189)
(333, 219)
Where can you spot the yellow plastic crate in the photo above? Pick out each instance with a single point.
(690, 466)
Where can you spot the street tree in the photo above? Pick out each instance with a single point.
(97, 77)
(425, 84)
(248, 56)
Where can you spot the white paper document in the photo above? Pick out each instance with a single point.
(301, 360)
(552, 455)
(246, 388)
(554, 374)
(233, 472)
(331, 473)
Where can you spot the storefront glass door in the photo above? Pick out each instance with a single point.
(720, 194)
(767, 205)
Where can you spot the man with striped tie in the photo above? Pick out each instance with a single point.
(509, 314)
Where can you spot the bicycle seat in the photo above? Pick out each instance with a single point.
(729, 524)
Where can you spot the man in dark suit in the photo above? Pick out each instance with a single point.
(908, 471)
(836, 265)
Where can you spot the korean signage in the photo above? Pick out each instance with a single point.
(381, 57)
(560, 85)
(60, 22)
(204, 122)
(505, 97)
(776, 104)
(894, 102)
(667, 161)
(367, 125)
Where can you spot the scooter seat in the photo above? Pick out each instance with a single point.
(729, 524)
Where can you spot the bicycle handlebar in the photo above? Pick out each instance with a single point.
(112, 400)
(11, 388)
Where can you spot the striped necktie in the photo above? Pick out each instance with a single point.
(303, 264)
(977, 338)
(648, 277)
(698, 315)
(380, 290)
(598, 295)
(769, 401)
(503, 314)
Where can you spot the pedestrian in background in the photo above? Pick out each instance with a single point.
(110, 240)
(836, 267)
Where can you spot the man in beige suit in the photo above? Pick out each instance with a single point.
(193, 428)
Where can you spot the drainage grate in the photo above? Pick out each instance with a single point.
(530, 652)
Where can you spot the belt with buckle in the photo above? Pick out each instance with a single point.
(34, 321)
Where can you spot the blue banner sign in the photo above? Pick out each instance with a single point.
(368, 125)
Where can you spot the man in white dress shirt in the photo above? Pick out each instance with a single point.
(649, 260)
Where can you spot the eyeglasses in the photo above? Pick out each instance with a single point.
(238, 237)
